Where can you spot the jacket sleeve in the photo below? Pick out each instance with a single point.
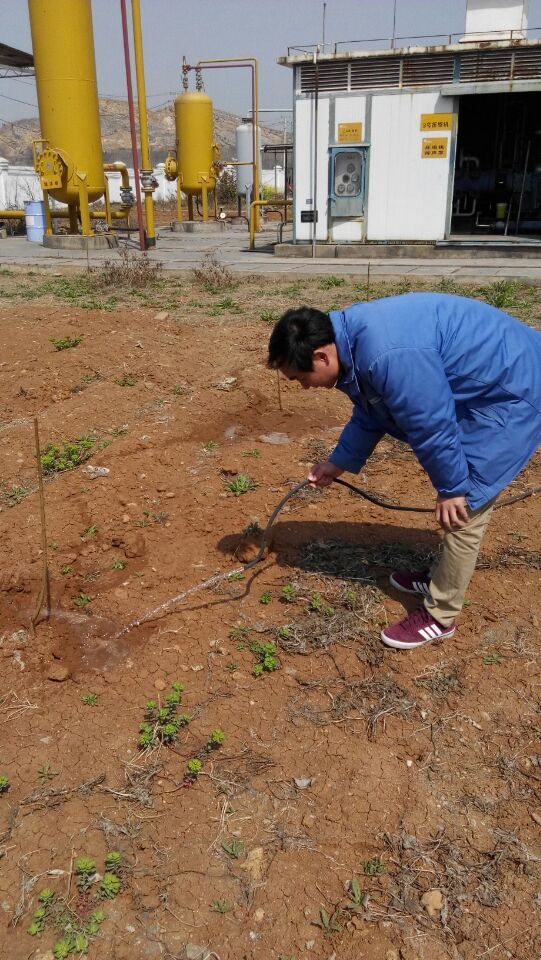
(414, 388)
(357, 441)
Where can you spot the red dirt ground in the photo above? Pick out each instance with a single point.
(423, 769)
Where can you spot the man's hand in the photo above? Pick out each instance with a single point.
(452, 513)
(322, 474)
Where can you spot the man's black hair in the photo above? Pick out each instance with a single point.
(295, 337)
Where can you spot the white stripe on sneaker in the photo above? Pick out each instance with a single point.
(436, 629)
(426, 633)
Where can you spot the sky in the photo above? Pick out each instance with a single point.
(202, 29)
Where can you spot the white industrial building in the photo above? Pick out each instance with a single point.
(437, 143)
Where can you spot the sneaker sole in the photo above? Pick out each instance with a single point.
(401, 645)
(394, 583)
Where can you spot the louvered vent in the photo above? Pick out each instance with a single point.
(331, 76)
(527, 64)
(418, 71)
(373, 73)
(486, 65)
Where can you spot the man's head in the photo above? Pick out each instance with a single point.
(302, 346)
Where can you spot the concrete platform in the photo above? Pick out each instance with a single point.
(199, 226)
(76, 241)
(468, 250)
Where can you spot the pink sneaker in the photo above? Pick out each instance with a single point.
(415, 630)
(411, 582)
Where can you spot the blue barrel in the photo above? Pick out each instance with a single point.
(34, 215)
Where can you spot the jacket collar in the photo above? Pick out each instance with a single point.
(343, 347)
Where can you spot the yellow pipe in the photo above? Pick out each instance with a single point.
(12, 214)
(146, 169)
(120, 168)
(255, 113)
(255, 204)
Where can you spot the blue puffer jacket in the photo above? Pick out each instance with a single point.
(457, 379)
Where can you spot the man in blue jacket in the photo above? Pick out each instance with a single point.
(458, 380)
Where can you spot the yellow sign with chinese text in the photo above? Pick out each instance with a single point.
(436, 121)
(350, 132)
(434, 147)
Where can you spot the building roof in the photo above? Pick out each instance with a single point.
(305, 54)
(16, 59)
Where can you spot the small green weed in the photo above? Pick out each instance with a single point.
(254, 452)
(71, 454)
(355, 893)
(329, 923)
(221, 906)
(327, 283)
(4, 784)
(66, 343)
(180, 390)
(317, 605)
(233, 849)
(216, 738)
(209, 446)
(288, 593)
(500, 294)
(242, 483)
(492, 658)
(265, 598)
(374, 867)
(114, 863)
(66, 569)
(82, 600)
(252, 529)
(125, 381)
(232, 666)
(117, 564)
(109, 887)
(519, 536)
(237, 575)
(226, 304)
(14, 495)
(240, 632)
(194, 767)
(267, 661)
(89, 699)
(88, 532)
(46, 773)
(269, 316)
(162, 724)
(118, 431)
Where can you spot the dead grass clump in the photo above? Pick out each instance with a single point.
(316, 450)
(510, 557)
(212, 275)
(129, 270)
(377, 699)
(441, 680)
(356, 561)
(350, 619)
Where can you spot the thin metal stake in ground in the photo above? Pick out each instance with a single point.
(44, 589)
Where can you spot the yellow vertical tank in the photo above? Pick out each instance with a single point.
(63, 48)
(195, 149)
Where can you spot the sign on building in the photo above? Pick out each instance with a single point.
(436, 121)
(434, 147)
(350, 132)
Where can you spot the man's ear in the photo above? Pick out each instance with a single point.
(322, 355)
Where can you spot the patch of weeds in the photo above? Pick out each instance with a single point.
(46, 773)
(127, 380)
(179, 390)
(238, 575)
(89, 531)
(233, 849)
(65, 343)
(221, 906)
(67, 568)
(492, 658)
(329, 923)
(265, 598)
(90, 699)
(374, 867)
(14, 495)
(519, 536)
(239, 632)
(316, 604)
(327, 283)
(293, 290)
(226, 304)
(267, 661)
(269, 316)
(130, 270)
(242, 483)
(232, 666)
(194, 765)
(212, 275)
(82, 600)
(94, 377)
(162, 724)
(209, 446)
(254, 452)
(118, 431)
(117, 564)
(288, 593)
(500, 294)
(66, 456)
(4, 784)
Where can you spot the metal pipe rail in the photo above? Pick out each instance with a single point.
(255, 205)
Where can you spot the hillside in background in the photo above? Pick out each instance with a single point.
(16, 138)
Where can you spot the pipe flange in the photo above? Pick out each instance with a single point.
(127, 197)
(148, 181)
(171, 167)
(50, 168)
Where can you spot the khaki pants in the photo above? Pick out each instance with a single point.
(453, 570)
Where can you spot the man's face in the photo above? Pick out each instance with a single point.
(324, 373)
